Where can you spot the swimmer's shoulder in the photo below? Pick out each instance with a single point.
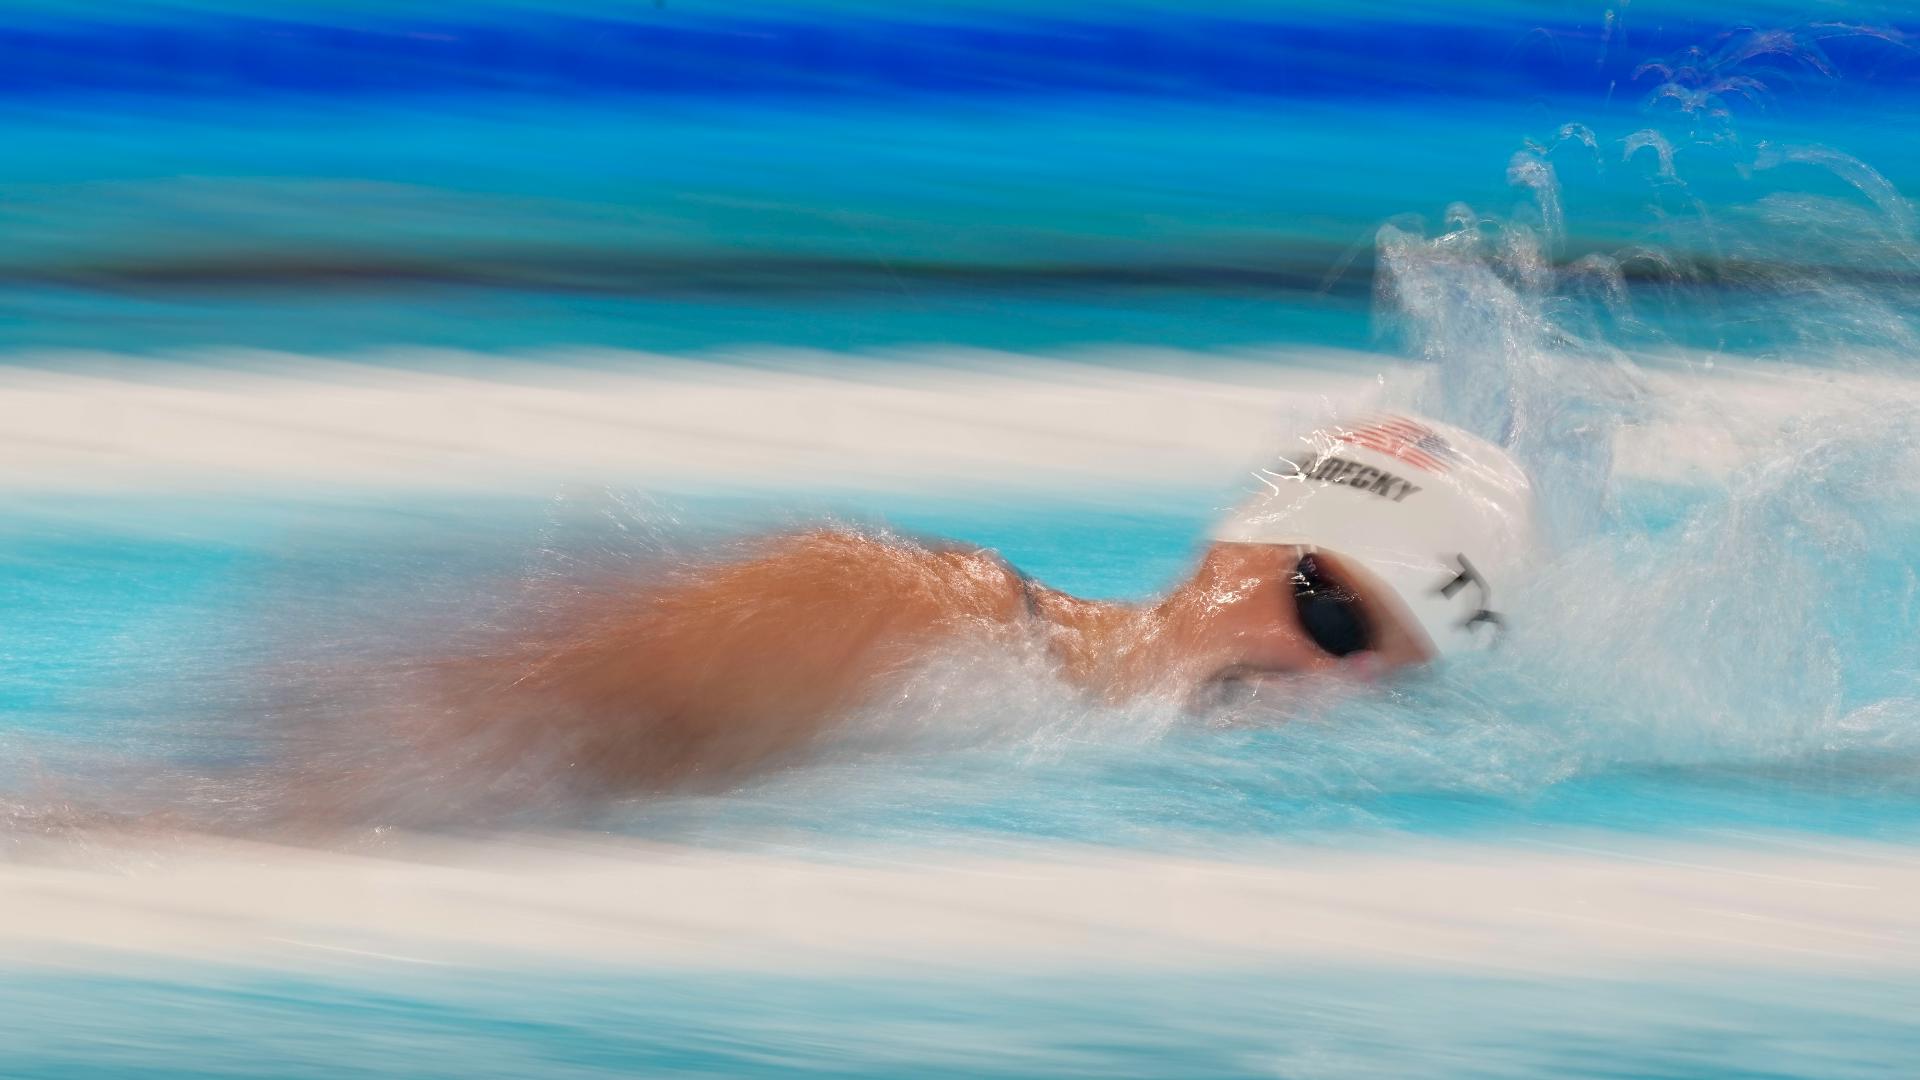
(955, 578)
(998, 588)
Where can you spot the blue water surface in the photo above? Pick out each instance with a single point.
(144, 622)
(1304, 1022)
(339, 179)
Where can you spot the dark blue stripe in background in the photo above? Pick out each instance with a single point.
(655, 51)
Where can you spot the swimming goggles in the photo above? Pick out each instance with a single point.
(1330, 611)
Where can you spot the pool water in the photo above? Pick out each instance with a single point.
(328, 277)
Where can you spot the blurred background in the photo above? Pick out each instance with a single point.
(327, 328)
(323, 177)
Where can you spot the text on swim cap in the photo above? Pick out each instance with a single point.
(1468, 575)
(1338, 470)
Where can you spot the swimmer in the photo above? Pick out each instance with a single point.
(1369, 546)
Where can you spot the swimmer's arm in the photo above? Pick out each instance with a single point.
(739, 662)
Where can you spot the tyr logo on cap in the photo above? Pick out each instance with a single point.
(1482, 615)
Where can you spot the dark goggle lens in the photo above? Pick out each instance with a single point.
(1329, 611)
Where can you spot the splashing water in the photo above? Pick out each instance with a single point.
(1753, 620)
(1715, 393)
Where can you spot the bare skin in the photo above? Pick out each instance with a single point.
(704, 680)
(1233, 618)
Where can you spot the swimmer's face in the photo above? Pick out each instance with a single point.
(1258, 611)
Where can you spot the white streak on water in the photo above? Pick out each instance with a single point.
(786, 420)
(573, 902)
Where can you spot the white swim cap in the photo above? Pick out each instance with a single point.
(1441, 517)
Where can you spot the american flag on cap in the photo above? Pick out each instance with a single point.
(1409, 440)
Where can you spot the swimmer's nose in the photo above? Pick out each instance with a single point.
(1244, 683)
(1359, 666)
(1364, 666)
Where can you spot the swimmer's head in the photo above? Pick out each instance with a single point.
(1373, 544)
(1398, 527)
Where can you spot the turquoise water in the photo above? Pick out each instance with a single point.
(1295, 1023)
(1709, 657)
(145, 631)
(335, 177)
